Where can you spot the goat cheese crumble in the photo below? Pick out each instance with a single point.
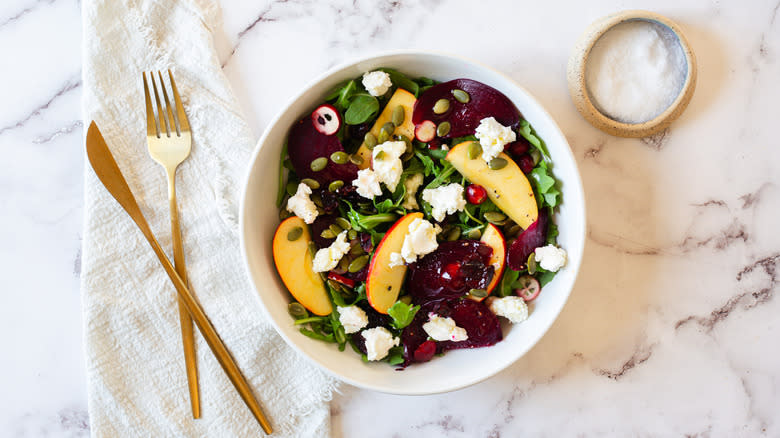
(328, 258)
(367, 184)
(301, 205)
(377, 82)
(387, 164)
(379, 341)
(512, 308)
(353, 318)
(444, 329)
(493, 136)
(445, 200)
(412, 184)
(550, 257)
(419, 240)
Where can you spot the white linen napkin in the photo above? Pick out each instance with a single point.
(137, 384)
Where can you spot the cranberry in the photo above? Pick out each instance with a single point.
(475, 194)
(425, 351)
(519, 147)
(526, 163)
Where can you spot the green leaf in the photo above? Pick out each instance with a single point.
(458, 140)
(439, 154)
(551, 197)
(543, 180)
(280, 193)
(545, 277)
(385, 206)
(529, 134)
(442, 176)
(427, 162)
(395, 355)
(402, 314)
(318, 336)
(552, 233)
(361, 108)
(345, 95)
(400, 80)
(510, 276)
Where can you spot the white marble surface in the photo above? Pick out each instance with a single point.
(672, 328)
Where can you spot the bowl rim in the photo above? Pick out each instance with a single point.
(579, 91)
(350, 62)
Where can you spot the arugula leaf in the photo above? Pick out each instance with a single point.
(282, 188)
(441, 176)
(396, 355)
(439, 154)
(529, 134)
(385, 206)
(457, 140)
(402, 314)
(545, 277)
(552, 232)
(427, 162)
(399, 79)
(318, 336)
(510, 276)
(543, 180)
(344, 94)
(362, 108)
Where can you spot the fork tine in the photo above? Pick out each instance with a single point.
(160, 110)
(168, 110)
(152, 125)
(181, 116)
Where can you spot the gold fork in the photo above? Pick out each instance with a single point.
(170, 141)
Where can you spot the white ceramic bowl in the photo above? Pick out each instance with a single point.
(458, 368)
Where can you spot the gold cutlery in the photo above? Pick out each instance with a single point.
(108, 172)
(169, 140)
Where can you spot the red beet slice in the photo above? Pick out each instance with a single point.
(530, 239)
(482, 325)
(464, 118)
(305, 144)
(318, 226)
(450, 271)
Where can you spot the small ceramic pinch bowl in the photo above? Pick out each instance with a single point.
(458, 368)
(578, 63)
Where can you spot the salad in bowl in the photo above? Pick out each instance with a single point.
(416, 215)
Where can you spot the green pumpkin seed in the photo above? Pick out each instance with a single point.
(461, 96)
(497, 163)
(352, 234)
(454, 234)
(356, 159)
(292, 187)
(380, 155)
(313, 184)
(296, 310)
(474, 234)
(334, 285)
(317, 200)
(536, 155)
(318, 164)
(513, 230)
(475, 150)
(478, 293)
(343, 264)
(358, 264)
(406, 299)
(443, 129)
(531, 262)
(335, 185)
(336, 229)
(288, 164)
(495, 216)
(388, 128)
(383, 137)
(356, 250)
(294, 234)
(405, 139)
(284, 214)
(398, 115)
(343, 223)
(327, 234)
(339, 157)
(369, 140)
(441, 106)
(312, 248)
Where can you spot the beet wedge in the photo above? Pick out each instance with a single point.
(305, 144)
(530, 239)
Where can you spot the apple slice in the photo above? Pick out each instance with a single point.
(294, 264)
(383, 283)
(507, 187)
(493, 238)
(400, 97)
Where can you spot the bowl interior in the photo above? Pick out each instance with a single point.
(458, 368)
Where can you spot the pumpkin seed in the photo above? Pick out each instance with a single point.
(294, 234)
(356, 159)
(327, 234)
(343, 264)
(398, 115)
(531, 262)
(454, 234)
(478, 293)
(358, 264)
(387, 128)
(312, 248)
(370, 140)
(443, 129)
(497, 163)
(383, 137)
(288, 164)
(343, 223)
(441, 106)
(296, 310)
(352, 234)
(495, 216)
(339, 157)
(380, 155)
(474, 234)
(313, 184)
(317, 200)
(335, 229)
(284, 214)
(461, 96)
(356, 250)
(513, 230)
(405, 139)
(475, 150)
(335, 185)
(334, 285)
(292, 187)
(536, 155)
(406, 299)
(318, 164)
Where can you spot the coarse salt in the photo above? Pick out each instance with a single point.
(635, 71)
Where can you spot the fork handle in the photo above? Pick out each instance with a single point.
(185, 321)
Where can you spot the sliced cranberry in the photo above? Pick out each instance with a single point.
(526, 163)
(326, 119)
(348, 282)
(518, 147)
(425, 131)
(450, 271)
(475, 194)
(435, 143)
(425, 351)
